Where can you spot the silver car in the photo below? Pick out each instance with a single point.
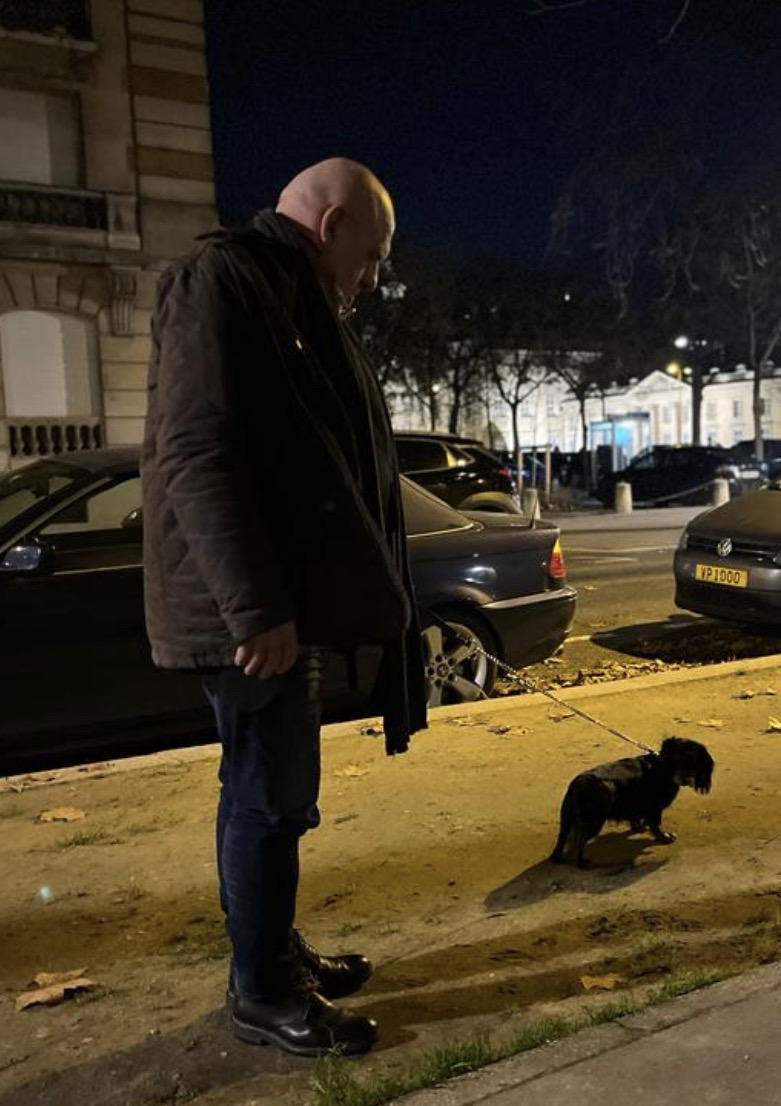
(728, 561)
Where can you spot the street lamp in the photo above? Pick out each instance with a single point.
(693, 371)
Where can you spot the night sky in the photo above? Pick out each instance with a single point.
(476, 114)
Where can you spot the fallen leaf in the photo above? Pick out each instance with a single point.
(747, 694)
(588, 587)
(561, 717)
(710, 723)
(50, 979)
(52, 996)
(773, 725)
(770, 691)
(607, 982)
(683, 721)
(351, 771)
(499, 729)
(61, 814)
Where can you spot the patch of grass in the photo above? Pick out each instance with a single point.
(348, 928)
(96, 836)
(335, 1083)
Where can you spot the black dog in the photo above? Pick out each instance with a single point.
(634, 790)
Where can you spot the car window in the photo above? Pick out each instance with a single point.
(425, 514)
(418, 454)
(104, 508)
(461, 456)
(99, 530)
(644, 461)
(20, 490)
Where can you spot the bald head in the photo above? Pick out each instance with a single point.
(346, 212)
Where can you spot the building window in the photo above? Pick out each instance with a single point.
(737, 436)
(710, 412)
(737, 410)
(40, 141)
(763, 407)
(49, 365)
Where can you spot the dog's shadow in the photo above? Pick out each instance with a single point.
(612, 864)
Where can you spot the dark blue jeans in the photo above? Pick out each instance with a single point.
(270, 779)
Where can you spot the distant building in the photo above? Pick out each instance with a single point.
(654, 410)
(105, 174)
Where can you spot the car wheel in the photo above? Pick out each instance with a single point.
(456, 669)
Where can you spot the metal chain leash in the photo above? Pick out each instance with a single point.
(473, 644)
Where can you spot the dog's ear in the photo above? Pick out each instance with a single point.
(670, 746)
(704, 773)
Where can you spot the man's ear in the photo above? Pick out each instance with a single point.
(329, 221)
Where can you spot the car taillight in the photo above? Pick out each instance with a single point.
(556, 567)
(504, 471)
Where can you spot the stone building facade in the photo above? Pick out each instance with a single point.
(105, 174)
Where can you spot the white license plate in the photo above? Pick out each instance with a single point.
(720, 574)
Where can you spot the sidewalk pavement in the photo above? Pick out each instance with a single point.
(719, 1046)
(652, 518)
(716, 1046)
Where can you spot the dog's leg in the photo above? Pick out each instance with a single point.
(580, 837)
(662, 837)
(557, 856)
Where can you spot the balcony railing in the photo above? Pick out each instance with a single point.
(46, 17)
(49, 437)
(53, 208)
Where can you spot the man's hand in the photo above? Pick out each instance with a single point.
(268, 654)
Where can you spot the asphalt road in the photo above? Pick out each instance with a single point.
(624, 580)
(626, 614)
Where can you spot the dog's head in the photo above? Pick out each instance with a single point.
(690, 763)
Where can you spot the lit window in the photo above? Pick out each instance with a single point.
(39, 138)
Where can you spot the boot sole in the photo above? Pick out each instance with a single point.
(252, 1035)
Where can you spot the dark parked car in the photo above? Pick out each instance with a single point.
(728, 561)
(459, 470)
(77, 679)
(770, 465)
(666, 475)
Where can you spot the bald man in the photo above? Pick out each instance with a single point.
(273, 535)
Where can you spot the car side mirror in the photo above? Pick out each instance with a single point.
(28, 557)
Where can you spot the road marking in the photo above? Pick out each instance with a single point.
(570, 549)
(663, 629)
(613, 560)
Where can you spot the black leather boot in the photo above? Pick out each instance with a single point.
(331, 976)
(303, 1023)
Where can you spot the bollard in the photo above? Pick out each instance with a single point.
(530, 503)
(719, 491)
(622, 503)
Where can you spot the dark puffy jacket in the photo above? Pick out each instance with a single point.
(255, 505)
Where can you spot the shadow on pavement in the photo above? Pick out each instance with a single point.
(612, 864)
(683, 640)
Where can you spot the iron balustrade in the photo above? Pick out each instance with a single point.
(50, 437)
(52, 208)
(46, 17)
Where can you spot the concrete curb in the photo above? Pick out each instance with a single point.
(512, 1074)
(488, 707)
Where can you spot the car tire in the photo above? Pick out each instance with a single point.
(499, 502)
(456, 669)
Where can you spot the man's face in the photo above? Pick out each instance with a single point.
(351, 257)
